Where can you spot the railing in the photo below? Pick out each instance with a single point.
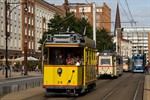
(14, 85)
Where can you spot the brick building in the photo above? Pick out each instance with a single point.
(103, 13)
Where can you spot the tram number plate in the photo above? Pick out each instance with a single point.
(59, 82)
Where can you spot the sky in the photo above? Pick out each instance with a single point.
(140, 10)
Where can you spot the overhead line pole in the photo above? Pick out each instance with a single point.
(94, 23)
(6, 52)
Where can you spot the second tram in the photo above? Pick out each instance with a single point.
(109, 64)
(127, 63)
(70, 66)
(138, 63)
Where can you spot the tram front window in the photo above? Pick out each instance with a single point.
(64, 55)
(105, 61)
(138, 62)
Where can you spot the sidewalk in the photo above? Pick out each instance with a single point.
(146, 95)
(24, 94)
(18, 75)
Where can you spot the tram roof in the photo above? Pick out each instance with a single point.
(68, 40)
(107, 54)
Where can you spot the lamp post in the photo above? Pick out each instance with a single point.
(42, 55)
(6, 4)
(25, 58)
(26, 43)
(6, 52)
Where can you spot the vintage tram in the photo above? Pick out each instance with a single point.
(70, 64)
(109, 64)
(127, 64)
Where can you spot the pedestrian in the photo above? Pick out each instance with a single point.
(3, 69)
(37, 68)
(22, 70)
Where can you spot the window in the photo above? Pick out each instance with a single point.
(29, 45)
(2, 41)
(15, 29)
(11, 28)
(32, 45)
(15, 42)
(32, 21)
(19, 30)
(19, 18)
(105, 61)
(29, 20)
(2, 12)
(25, 31)
(29, 32)
(11, 42)
(2, 26)
(25, 19)
(32, 9)
(65, 55)
(19, 43)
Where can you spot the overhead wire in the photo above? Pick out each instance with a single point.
(129, 10)
(124, 10)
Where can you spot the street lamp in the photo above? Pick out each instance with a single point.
(6, 30)
(6, 53)
(42, 54)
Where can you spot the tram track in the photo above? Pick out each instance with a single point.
(101, 86)
(126, 87)
(141, 80)
(132, 80)
(117, 86)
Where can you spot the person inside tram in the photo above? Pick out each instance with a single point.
(68, 60)
(60, 60)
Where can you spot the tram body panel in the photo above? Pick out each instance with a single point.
(69, 75)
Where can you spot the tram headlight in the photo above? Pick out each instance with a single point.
(59, 71)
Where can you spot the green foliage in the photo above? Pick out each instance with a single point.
(68, 23)
(71, 23)
(104, 41)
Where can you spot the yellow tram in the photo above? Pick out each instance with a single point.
(109, 64)
(70, 65)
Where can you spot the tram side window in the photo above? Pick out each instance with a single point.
(65, 55)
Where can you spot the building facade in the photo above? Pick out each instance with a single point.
(25, 26)
(126, 48)
(140, 39)
(103, 13)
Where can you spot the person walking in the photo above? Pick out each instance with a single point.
(22, 70)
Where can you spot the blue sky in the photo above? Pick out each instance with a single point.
(140, 9)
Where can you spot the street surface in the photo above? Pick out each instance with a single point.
(127, 87)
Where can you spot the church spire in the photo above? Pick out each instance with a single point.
(117, 20)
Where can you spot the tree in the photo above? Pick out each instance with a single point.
(68, 23)
(104, 40)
